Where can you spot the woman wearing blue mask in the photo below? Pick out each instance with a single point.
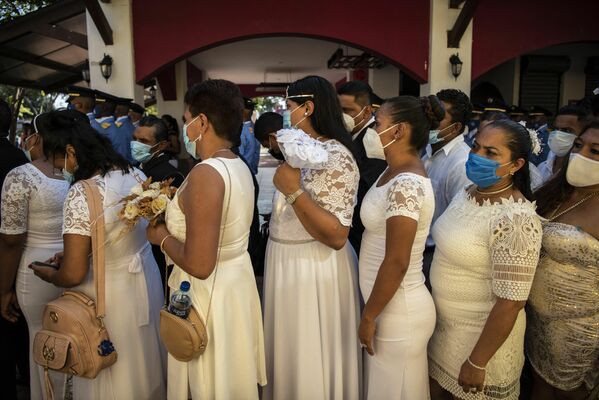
(31, 230)
(133, 291)
(563, 310)
(311, 300)
(488, 243)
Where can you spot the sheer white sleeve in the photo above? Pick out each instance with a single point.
(335, 187)
(76, 212)
(515, 246)
(19, 185)
(405, 197)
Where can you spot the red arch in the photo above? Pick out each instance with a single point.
(507, 29)
(165, 32)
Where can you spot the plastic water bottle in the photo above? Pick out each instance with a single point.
(180, 301)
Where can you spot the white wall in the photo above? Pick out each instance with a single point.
(442, 19)
(122, 81)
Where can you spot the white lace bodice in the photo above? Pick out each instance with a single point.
(409, 195)
(32, 203)
(334, 188)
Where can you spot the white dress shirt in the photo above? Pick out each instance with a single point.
(447, 172)
(546, 167)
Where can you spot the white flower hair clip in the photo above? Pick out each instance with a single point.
(301, 150)
(535, 142)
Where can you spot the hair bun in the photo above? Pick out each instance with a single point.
(433, 110)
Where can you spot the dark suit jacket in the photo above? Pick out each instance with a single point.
(160, 169)
(11, 158)
(370, 170)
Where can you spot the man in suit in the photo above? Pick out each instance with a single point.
(150, 140)
(13, 335)
(356, 101)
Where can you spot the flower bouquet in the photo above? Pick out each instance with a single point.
(147, 200)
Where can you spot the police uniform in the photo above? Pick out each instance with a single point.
(108, 127)
(77, 91)
(125, 129)
(542, 132)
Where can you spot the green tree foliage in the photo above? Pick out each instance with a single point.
(11, 9)
(268, 103)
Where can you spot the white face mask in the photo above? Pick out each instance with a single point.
(373, 145)
(561, 142)
(350, 122)
(582, 171)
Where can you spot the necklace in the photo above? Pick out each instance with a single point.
(495, 192)
(553, 216)
(220, 150)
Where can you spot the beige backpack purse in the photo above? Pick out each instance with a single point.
(186, 339)
(73, 339)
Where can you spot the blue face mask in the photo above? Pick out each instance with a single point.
(190, 146)
(141, 152)
(25, 150)
(287, 118)
(483, 171)
(68, 176)
(433, 135)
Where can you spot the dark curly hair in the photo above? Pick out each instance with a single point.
(422, 113)
(94, 151)
(520, 144)
(461, 108)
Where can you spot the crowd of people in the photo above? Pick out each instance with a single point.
(441, 250)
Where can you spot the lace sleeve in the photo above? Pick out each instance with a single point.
(405, 197)
(335, 187)
(18, 188)
(515, 246)
(76, 212)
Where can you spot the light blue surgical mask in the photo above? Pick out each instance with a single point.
(433, 135)
(68, 176)
(287, 118)
(561, 142)
(25, 150)
(482, 171)
(141, 152)
(190, 146)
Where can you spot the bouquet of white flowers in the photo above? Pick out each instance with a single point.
(147, 200)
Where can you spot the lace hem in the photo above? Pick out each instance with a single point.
(450, 383)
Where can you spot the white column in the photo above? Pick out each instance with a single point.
(122, 81)
(385, 81)
(442, 19)
(175, 107)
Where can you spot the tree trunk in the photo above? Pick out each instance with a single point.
(16, 108)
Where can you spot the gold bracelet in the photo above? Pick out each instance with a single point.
(162, 243)
(475, 366)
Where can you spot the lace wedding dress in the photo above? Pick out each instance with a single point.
(311, 304)
(232, 366)
(32, 204)
(483, 252)
(562, 336)
(399, 367)
(134, 296)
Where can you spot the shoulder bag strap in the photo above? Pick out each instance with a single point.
(96, 211)
(222, 232)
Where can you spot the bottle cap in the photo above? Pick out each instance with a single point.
(185, 286)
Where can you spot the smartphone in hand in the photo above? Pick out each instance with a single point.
(43, 264)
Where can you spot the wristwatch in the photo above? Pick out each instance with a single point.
(293, 197)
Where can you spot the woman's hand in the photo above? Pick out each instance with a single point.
(9, 307)
(156, 233)
(287, 179)
(471, 379)
(56, 260)
(366, 334)
(45, 273)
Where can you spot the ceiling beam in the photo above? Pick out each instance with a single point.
(60, 33)
(47, 15)
(19, 82)
(97, 14)
(41, 61)
(461, 23)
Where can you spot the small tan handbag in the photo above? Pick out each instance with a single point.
(186, 339)
(73, 339)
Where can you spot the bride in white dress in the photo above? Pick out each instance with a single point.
(232, 365)
(133, 290)
(32, 200)
(399, 315)
(487, 249)
(311, 291)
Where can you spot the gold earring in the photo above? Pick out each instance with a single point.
(512, 173)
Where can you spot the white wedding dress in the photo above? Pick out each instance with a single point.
(311, 300)
(399, 367)
(134, 296)
(232, 366)
(32, 203)
(483, 252)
